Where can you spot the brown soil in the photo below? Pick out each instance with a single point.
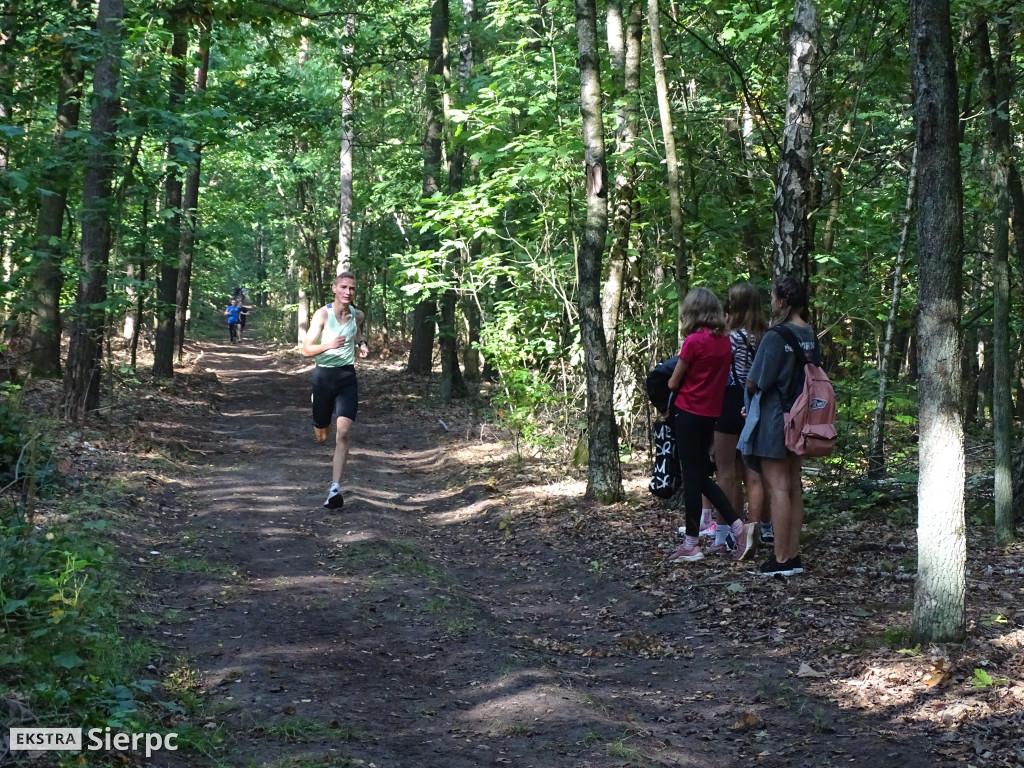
(466, 609)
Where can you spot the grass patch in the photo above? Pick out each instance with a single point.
(302, 729)
(197, 564)
(631, 755)
(395, 558)
(68, 604)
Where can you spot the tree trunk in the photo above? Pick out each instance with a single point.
(421, 350)
(791, 233)
(682, 266)
(82, 373)
(191, 205)
(876, 451)
(47, 278)
(9, 23)
(995, 95)
(604, 476)
(940, 592)
(167, 285)
(140, 297)
(345, 158)
(422, 347)
(625, 177)
(304, 313)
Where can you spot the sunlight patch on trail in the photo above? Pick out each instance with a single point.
(478, 509)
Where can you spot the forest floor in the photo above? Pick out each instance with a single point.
(466, 608)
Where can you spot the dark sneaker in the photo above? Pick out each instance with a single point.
(744, 542)
(767, 533)
(334, 499)
(773, 567)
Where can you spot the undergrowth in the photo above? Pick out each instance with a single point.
(66, 660)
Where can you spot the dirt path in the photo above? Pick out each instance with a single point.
(414, 628)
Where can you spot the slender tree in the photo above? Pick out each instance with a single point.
(604, 475)
(81, 389)
(682, 266)
(940, 592)
(190, 202)
(628, 121)
(421, 349)
(995, 96)
(47, 277)
(876, 452)
(345, 156)
(792, 237)
(167, 285)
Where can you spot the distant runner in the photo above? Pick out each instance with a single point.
(243, 315)
(333, 335)
(232, 312)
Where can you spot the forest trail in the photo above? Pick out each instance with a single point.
(409, 630)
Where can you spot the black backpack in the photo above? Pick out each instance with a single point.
(665, 475)
(657, 384)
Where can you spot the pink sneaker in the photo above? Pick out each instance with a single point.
(745, 541)
(707, 523)
(727, 547)
(686, 554)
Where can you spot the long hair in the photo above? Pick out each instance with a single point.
(701, 309)
(746, 310)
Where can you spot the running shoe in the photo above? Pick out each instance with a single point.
(773, 567)
(727, 547)
(707, 524)
(744, 542)
(767, 533)
(686, 554)
(334, 499)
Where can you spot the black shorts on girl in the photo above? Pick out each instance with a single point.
(335, 394)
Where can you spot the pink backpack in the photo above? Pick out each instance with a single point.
(810, 422)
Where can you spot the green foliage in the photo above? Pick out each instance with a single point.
(61, 651)
(521, 341)
(24, 457)
(983, 680)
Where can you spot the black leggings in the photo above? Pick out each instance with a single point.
(694, 436)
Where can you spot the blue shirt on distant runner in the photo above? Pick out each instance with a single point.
(232, 313)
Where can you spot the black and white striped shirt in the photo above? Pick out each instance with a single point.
(743, 349)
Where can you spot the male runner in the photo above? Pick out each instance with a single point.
(332, 338)
(232, 311)
(243, 315)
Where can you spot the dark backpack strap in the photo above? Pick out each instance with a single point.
(801, 360)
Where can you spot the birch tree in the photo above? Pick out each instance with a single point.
(604, 474)
(792, 239)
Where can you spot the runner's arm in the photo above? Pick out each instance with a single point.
(309, 346)
(364, 348)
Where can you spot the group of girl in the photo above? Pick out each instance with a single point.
(732, 367)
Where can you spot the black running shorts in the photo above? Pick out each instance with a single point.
(335, 394)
